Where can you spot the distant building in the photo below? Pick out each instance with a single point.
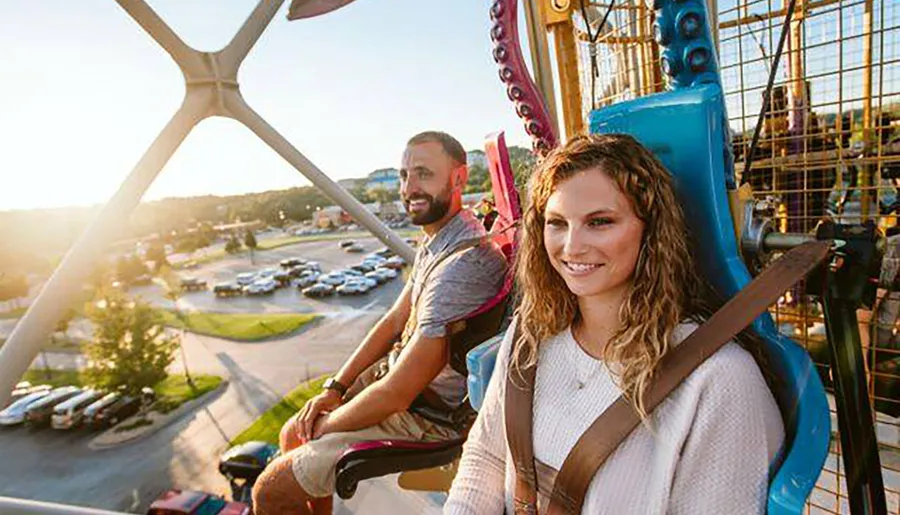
(385, 178)
(330, 216)
(348, 184)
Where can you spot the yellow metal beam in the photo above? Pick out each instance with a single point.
(570, 86)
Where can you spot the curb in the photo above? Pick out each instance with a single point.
(109, 439)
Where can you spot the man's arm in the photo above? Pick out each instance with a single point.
(380, 339)
(420, 362)
(376, 345)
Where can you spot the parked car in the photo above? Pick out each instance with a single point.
(356, 275)
(25, 388)
(319, 290)
(245, 278)
(242, 465)
(70, 413)
(291, 262)
(395, 262)
(354, 248)
(261, 287)
(314, 266)
(39, 413)
(375, 259)
(333, 279)
(189, 502)
(115, 407)
(390, 273)
(362, 268)
(346, 243)
(353, 287)
(192, 284)
(307, 279)
(282, 278)
(15, 412)
(227, 289)
(377, 277)
(384, 252)
(266, 273)
(297, 271)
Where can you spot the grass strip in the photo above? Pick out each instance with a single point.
(267, 427)
(174, 390)
(247, 327)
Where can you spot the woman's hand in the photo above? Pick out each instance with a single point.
(305, 420)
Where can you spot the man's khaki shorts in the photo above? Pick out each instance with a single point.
(313, 463)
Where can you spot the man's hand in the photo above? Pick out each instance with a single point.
(305, 420)
(320, 427)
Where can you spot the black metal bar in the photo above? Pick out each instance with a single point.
(859, 446)
(767, 96)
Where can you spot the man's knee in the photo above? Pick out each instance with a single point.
(277, 491)
(287, 439)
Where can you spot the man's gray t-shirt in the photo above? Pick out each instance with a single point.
(456, 287)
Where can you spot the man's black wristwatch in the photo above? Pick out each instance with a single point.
(333, 384)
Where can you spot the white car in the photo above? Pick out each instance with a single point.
(245, 278)
(265, 273)
(389, 273)
(353, 287)
(70, 413)
(15, 413)
(261, 287)
(395, 262)
(308, 278)
(359, 276)
(379, 278)
(333, 279)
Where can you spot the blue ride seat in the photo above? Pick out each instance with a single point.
(696, 155)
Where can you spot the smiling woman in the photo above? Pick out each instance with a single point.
(609, 287)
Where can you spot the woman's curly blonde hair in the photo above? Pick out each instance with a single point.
(665, 286)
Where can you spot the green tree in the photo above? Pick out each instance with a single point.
(250, 242)
(522, 161)
(129, 268)
(360, 192)
(383, 195)
(156, 253)
(233, 245)
(129, 348)
(479, 180)
(171, 283)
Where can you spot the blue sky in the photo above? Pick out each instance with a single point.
(84, 91)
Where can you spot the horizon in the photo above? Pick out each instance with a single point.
(360, 76)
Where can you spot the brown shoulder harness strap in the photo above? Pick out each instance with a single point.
(619, 419)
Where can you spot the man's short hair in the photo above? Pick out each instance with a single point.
(451, 146)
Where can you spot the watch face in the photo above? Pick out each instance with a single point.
(333, 384)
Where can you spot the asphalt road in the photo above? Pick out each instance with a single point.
(60, 467)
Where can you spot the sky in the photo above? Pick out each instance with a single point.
(84, 91)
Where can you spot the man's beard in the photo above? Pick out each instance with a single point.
(437, 209)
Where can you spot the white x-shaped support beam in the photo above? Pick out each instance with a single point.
(211, 90)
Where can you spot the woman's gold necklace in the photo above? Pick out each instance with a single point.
(581, 383)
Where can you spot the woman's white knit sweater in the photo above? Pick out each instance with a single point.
(708, 448)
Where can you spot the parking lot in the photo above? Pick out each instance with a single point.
(285, 300)
(59, 465)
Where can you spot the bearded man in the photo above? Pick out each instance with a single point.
(366, 399)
